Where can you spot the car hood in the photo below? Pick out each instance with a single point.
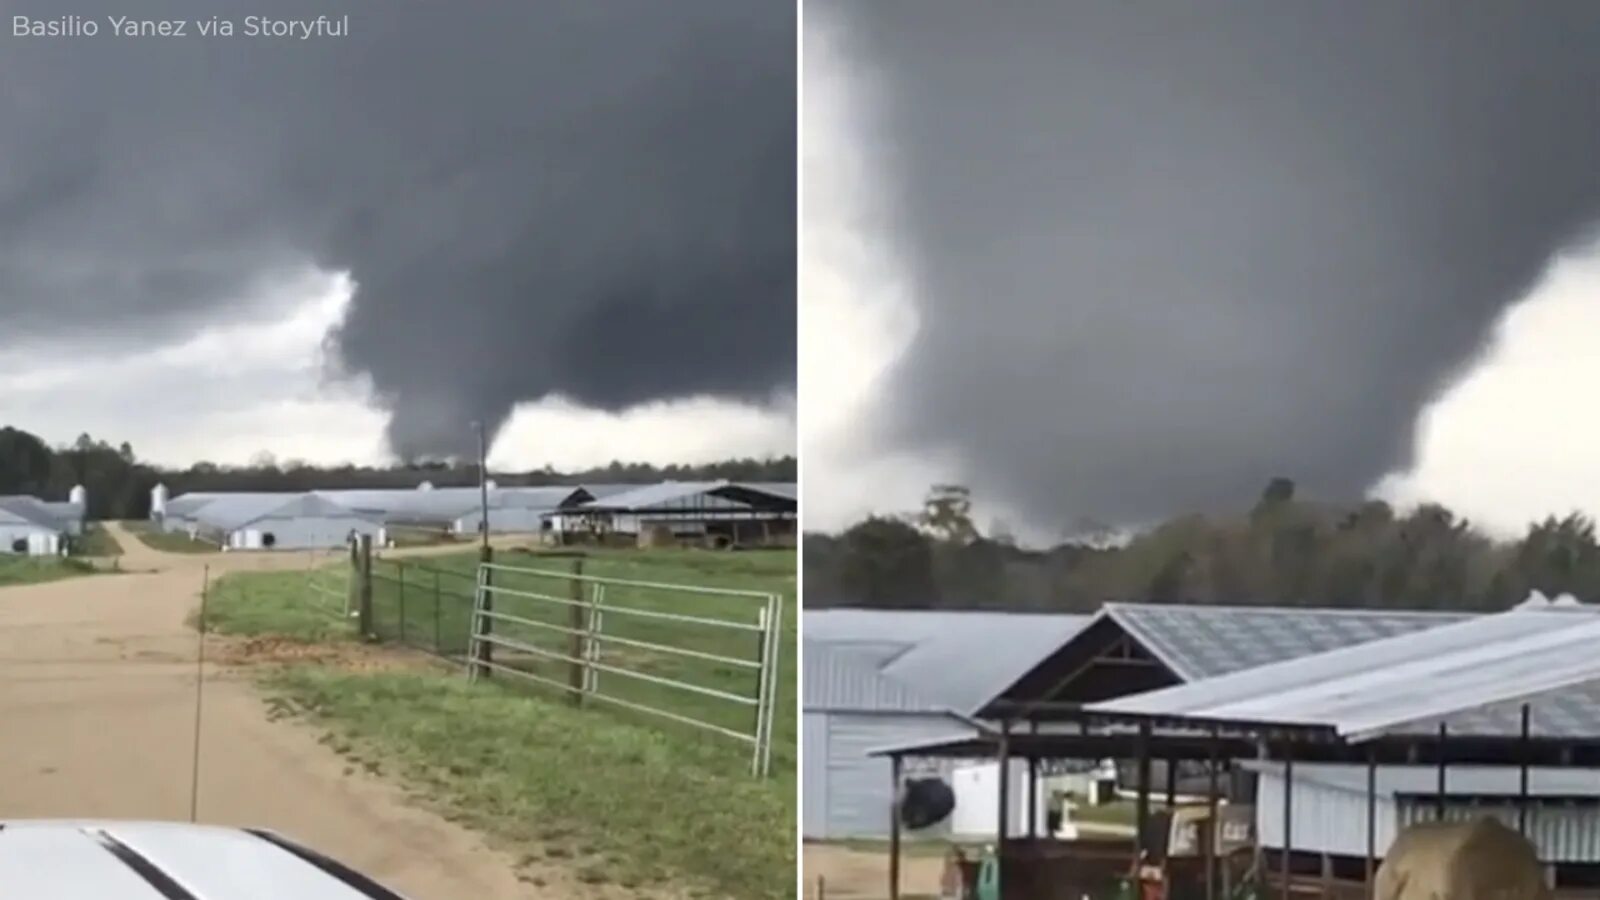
(61, 860)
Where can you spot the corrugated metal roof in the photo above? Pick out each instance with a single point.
(1465, 671)
(836, 679)
(670, 493)
(602, 490)
(960, 659)
(786, 489)
(1423, 781)
(1205, 641)
(36, 512)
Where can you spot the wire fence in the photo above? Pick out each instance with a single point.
(329, 587)
(702, 657)
(425, 607)
(699, 656)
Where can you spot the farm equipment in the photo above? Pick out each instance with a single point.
(1173, 862)
(1171, 866)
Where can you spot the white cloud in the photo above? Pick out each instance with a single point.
(1517, 438)
(856, 317)
(254, 381)
(555, 432)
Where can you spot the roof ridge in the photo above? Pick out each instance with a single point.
(1298, 610)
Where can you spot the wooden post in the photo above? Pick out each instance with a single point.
(894, 828)
(1033, 784)
(352, 588)
(1172, 783)
(400, 577)
(1372, 820)
(364, 579)
(1439, 795)
(1288, 819)
(1141, 805)
(1005, 788)
(1522, 765)
(1214, 831)
(485, 624)
(578, 645)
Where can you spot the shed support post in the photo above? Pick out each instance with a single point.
(895, 768)
(1372, 821)
(1033, 797)
(1522, 763)
(1438, 800)
(1141, 817)
(1214, 832)
(1288, 820)
(1172, 783)
(1004, 826)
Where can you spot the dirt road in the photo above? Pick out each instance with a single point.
(97, 711)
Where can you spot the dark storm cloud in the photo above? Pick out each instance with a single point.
(1166, 251)
(592, 199)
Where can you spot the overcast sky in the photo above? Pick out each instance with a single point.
(1119, 261)
(573, 221)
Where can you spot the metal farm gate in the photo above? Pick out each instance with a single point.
(705, 657)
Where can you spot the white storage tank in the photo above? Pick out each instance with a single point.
(158, 502)
(78, 496)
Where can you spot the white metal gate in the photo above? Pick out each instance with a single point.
(635, 634)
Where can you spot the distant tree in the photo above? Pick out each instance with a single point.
(886, 562)
(947, 514)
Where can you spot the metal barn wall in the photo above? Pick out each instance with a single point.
(1323, 819)
(1562, 834)
(309, 533)
(857, 793)
(1334, 820)
(39, 541)
(814, 775)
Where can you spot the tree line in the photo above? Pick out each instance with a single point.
(1281, 551)
(119, 483)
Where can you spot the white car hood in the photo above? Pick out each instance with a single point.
(58, 860)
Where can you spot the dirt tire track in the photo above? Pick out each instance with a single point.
(97, 699)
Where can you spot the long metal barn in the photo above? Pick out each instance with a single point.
(1327, 754)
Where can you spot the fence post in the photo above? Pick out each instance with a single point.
(578, 648)
(764, 621)
(400, 577)
(485, 624)
(352, 584)
(364, 580)
(597, 596)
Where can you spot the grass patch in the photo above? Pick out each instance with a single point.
(18, 570)
(602, 788)
(96, 541)
(429, 602)
(280, 604)
(168, 542)
(629, 801)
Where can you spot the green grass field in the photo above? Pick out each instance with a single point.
(17, 570)
(686, 791)
(97, 542)
(156, 539)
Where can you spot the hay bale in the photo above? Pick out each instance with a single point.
(656, 536)
(1478, 860)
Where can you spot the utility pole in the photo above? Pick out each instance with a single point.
(483, 482)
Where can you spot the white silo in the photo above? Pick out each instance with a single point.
(78, 496)
(425, 486)
(158, 502)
